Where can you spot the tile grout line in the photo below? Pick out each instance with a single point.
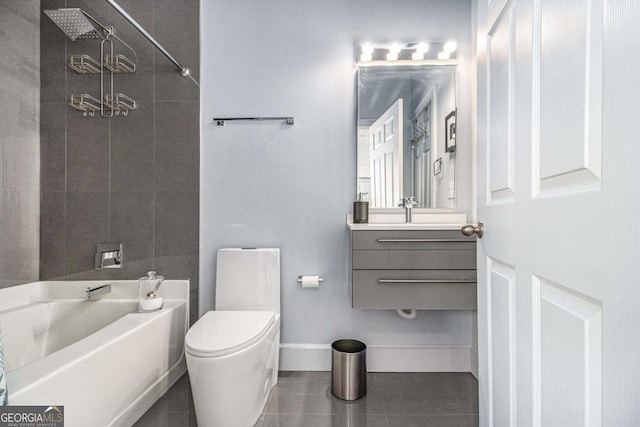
(154, 141)
(66, 156)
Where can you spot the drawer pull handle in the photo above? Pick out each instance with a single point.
(424, 281)
(419, 240)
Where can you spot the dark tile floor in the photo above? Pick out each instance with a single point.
(303, 399)
(174, 409)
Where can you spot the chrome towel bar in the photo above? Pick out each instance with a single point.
(220, 120)
(424, 281)
(419, 240)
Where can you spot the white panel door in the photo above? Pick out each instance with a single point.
(558, 119)
(386, 157)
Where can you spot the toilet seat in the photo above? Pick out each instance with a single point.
(220, 333)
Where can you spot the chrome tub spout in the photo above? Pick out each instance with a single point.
(89, 293)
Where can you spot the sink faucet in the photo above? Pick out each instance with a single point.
(408, 203)
(90, 292)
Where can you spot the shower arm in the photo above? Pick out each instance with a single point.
(184, 71)
(107, 31)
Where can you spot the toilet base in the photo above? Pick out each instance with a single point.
(232, 390)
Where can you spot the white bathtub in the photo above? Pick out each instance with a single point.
(105, 362)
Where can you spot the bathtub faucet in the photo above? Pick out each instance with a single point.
(90, 292)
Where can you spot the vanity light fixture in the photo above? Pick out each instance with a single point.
(406, 53)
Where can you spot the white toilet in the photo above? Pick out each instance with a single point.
(232, 352)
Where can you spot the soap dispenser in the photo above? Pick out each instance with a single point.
(150, 292)
(361, 209)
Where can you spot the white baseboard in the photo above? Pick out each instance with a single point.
(317, 357)
(473, 356)
(305, 357)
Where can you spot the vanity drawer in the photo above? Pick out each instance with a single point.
(412, 239)
(420, 259)
(415, 289)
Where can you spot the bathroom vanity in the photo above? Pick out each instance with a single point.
(412, 266)
(411, 259)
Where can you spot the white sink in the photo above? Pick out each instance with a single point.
(420, 221)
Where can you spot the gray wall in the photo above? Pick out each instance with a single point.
(19, 141)
(269, 185)
(127, 179)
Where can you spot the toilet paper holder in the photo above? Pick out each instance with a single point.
(320, 279)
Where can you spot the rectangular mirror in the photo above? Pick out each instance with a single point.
(407, 135)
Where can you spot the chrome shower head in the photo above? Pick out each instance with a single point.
(78, 24)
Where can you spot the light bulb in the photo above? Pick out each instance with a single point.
(395, 48)
(366, 57)
(367, 49)
(443, 55)
(450, 47)
(422, 48)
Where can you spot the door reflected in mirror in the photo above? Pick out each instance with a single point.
(406, 135)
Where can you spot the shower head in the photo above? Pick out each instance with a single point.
(78, 24)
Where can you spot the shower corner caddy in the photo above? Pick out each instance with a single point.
(110, 103)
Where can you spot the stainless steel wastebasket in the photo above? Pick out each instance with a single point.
(348, 369)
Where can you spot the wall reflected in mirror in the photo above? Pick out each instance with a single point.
(406, 135)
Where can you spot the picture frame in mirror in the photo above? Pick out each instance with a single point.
(450, 132)
(437, 166)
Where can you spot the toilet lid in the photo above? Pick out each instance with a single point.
(219, 333)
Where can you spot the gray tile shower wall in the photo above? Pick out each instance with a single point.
(19, 153)
(133, 179)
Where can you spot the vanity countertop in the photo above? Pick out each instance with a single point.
(446, 221)
(411, 226)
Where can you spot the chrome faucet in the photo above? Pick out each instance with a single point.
(90, 292)
(408, 203)
(108, 255)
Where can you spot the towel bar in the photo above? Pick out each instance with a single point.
(220, 120)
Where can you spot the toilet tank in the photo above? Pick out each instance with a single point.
(248, 279)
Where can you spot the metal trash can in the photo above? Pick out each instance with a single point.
(348, 369)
